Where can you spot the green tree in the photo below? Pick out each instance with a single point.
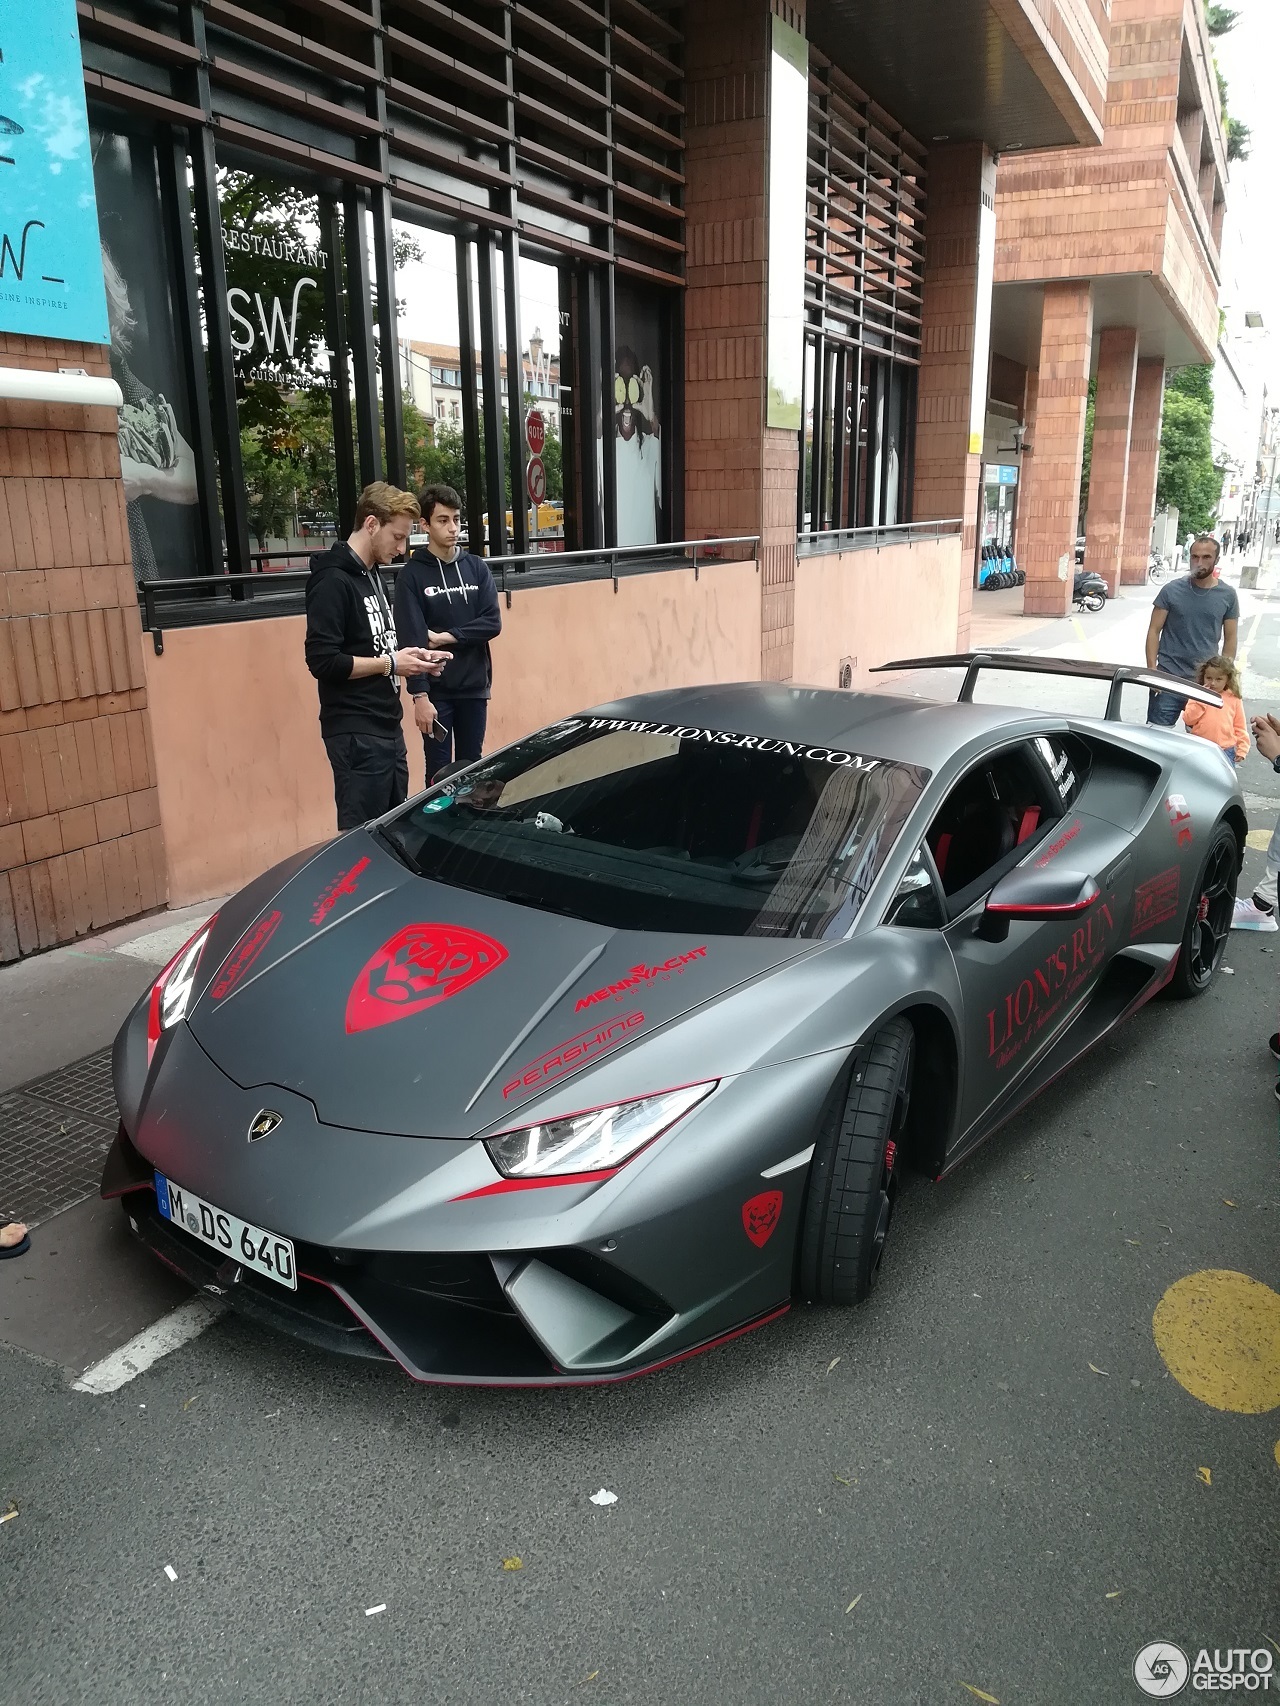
(1086, 466)
(1220, 19)
(1188, 478)
(1239, 139)
(271, 486)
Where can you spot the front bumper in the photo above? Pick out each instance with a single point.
(527, 1318)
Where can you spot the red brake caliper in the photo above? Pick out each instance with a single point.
(1202, 911)
(890, 1155)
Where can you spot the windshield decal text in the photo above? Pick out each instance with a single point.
(743, 743)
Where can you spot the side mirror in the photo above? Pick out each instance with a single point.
(1036, 896)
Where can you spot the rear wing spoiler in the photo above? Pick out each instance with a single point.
(1120, 675)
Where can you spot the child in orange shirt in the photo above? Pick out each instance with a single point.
(1224, 726)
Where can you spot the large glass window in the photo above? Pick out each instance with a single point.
(157, 432)
(283, 287)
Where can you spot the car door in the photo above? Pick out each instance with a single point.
(1020, 988)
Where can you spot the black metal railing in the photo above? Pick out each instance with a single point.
(827, 542)
(200, 600)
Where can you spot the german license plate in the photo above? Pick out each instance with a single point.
(266, 1253)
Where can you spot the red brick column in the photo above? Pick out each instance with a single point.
(80, 842)
(1144, 465)
(1109, 470)
(740, 475)
(948, 472)
(1050, 499)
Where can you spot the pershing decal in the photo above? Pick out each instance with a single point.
(1179, 815)
(242, 956)
(566, 1057)
(344, 883)
(1037, 999)
(1055, 847)
(420, 966)
(727, 737)
(639, 975)
(1156, 901)
(760, 1216)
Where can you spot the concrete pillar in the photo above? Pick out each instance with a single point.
(740, 474)
(1109, 470)
(1144, 466)
(1050, 497)
(955, 345)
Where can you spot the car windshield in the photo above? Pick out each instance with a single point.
(655, 826)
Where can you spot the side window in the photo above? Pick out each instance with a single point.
(987, 817)
(916, 900)
(1067, 761)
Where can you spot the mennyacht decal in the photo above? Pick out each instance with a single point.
(344, 883)
(1179, 814)
(640, 975)
(728, 737)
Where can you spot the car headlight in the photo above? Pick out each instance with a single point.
(172, 990)
(598, 1141)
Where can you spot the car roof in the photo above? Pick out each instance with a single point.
(879, 725)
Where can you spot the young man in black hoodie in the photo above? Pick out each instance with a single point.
(446, 598)
(351, 650)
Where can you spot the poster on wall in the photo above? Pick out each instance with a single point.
(637, 412)
(157, 464)
(50, 281)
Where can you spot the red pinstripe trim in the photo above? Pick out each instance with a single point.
(501, 1185)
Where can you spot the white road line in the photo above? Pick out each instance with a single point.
(801, 1159)
(154, 1342)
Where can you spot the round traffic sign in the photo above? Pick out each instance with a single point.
(535, 431)
(536, 480)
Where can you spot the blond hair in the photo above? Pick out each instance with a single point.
(1221, 665)
(383, 500)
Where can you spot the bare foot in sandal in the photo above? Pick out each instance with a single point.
(13, 1239)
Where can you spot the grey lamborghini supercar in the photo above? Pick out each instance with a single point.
(607, 1048)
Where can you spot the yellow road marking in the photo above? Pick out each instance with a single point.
(1219, 1335)
(1259, 838)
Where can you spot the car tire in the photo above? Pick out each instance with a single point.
(853, 1178)
(1208, 921)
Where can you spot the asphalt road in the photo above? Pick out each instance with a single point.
(934, 1491)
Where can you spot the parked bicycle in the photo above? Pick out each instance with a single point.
(1160, 567)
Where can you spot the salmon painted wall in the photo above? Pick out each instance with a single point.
(875, 605)
(241, 770)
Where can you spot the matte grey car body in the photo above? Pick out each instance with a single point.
(411, 1242)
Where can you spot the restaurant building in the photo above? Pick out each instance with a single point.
(753, 246)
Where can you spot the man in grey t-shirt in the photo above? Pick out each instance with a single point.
(1194, 618)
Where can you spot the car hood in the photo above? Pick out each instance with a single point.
(396, 1004)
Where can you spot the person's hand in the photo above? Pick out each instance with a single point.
(419, 660)
(424, 715)
(441, 639)
(1266, 738)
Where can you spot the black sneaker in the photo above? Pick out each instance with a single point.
(1262, 904)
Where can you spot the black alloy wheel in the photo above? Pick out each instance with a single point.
(853, 1178)
(1208, 920)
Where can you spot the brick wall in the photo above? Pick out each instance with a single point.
(1054, 449)
(80, 844)
(740, 475)
(1109, 469)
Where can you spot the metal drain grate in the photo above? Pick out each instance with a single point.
(54, 1136)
